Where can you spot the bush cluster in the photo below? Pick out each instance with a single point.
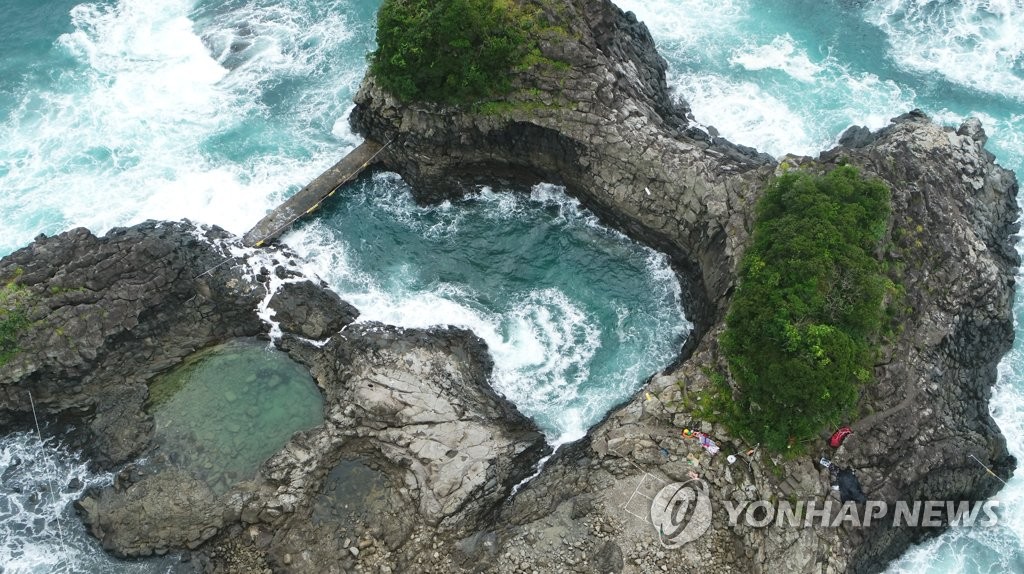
(803, 330)
(450, 51)
(13, 319)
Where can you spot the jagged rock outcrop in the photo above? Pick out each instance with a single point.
(608, 130)
(110, 314)
(311, 311)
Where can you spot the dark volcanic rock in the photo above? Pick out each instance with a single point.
(608, 130)
(168, 510)
(110, 313)
(310, 310)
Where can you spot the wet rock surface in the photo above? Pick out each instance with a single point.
(413, 410)
(414, 406)
(609, 130)
(310, 310)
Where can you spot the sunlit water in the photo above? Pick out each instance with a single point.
(117, 111)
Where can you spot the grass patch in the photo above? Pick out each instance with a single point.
(805, 323)
(13, 318)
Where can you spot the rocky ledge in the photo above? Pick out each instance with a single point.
(609, 130)
(412, 409)
(415, 466)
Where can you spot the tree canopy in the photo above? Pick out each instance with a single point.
(449, 50)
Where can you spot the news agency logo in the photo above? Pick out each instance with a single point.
(681, 512)
(834, 514)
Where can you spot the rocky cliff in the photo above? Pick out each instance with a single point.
(415, 466)
(608, 129)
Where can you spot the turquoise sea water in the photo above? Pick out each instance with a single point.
(117, 111)
(790, 76)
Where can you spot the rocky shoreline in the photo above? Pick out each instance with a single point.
(409, 414)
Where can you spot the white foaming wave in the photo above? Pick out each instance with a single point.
(544, 359)
(871, 101)
(570, 210)
(38, 529)
(743, 112)
(679, 26)
(772, 116)
(147, 94)
(974, 43)
(263, 41)
(342, 129)
(780, 54)
(802, 119)
(506, 206)
(120, 138)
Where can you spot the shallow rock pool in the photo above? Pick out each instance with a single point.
(227, 409)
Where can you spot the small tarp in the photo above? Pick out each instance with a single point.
(708, 444)
(849, 487)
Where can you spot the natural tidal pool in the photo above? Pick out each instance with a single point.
(227, 409)
(575, 315)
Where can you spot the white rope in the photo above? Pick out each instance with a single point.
(988, 469)
(49, 480)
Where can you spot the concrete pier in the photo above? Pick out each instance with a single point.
(309, 198)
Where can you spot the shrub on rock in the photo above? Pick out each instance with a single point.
(804, 326)
(449, 50)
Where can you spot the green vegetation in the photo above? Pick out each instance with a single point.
(804, 327)
(13, 318)
(454, 51)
